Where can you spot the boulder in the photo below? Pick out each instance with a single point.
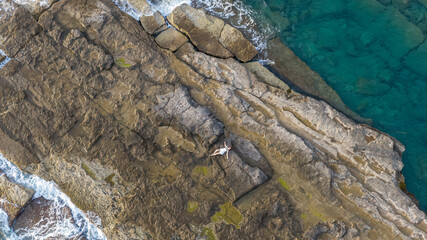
(141, 6)
(233, 40)
(203, 30)
(13, 197)
(210, 34)
(150, 20)
(153, 23)
(2, 58)
(45, 217)
(171, 39)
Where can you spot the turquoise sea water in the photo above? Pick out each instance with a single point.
(373, 53)
(375, 56)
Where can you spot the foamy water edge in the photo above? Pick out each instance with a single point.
(50, 191)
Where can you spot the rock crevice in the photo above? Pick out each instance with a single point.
(126, 128)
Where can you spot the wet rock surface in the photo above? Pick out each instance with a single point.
(290, 67)
(152, 21)
(41, 214)
(126, 129)
(13, 198)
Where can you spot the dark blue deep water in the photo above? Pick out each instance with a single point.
(372, 52)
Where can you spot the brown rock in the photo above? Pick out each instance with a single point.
(13, 197)
(264, 75)
(2, 58)
(171, 39)
(240, 178)
(141, 6)
(45, 217)
(150, 20)
(233, 40)
(152, 23)
(202, 29)
(17, 26)
(131, 142)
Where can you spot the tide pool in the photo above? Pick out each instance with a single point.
(373, 53)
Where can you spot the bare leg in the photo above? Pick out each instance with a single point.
(215, 153)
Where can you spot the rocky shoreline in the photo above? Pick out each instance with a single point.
(123, 116)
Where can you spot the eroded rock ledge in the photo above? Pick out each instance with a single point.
(126, 129)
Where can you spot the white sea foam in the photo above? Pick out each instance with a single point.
(5, 61)
(64, 228)
(163, 6)
(127, 8)
(166, 6)
(6, 9)
(5, 231)
(235, 12)
(244, 18)
(42, 3)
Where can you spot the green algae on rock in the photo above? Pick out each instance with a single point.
(155, 124)
(284, 184)
(192, 206)
(109, 179)
(124, 63)
(229, 214)
(208, 234)
(89, 171)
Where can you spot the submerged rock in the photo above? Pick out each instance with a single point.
(293, 69)
(371, 87)
(131, 139)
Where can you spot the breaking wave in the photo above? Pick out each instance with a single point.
(253, 25)
(62, 227)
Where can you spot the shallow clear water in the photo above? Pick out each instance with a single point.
(373, 53)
